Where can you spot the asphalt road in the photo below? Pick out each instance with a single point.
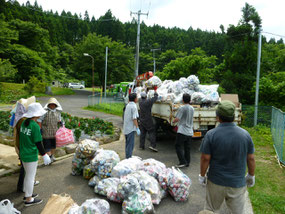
(57, 178)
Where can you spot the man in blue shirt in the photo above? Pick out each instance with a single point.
(226, 150)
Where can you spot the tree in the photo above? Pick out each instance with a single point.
(120, 60)
(7, 35)
(197, 63)
(272, 90)
(240, 56)
(7, 71)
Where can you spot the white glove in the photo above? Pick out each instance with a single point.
(250, 180)
(138, 131)
(46, 159)
(202, 180)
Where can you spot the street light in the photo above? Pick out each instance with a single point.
(153, 51)
(86, 54)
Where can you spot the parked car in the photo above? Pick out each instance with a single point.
(75, 85)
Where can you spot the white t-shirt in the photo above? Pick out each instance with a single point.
(185, 116)
(131, 113)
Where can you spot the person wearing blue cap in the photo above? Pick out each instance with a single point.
(226, 151)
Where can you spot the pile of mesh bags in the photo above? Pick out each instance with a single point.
(137, 184)
(172, 91)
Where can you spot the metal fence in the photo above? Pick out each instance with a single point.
(111, 97)
(277, 130)
(112, 103)
(271, 117)
(264, 115)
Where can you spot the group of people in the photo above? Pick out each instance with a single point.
(34, 130)
(226, 151)
(142, 123)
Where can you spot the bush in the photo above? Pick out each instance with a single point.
(35, 86)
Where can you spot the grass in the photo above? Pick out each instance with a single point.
(14, 91)
(268, 194)
(110, 108)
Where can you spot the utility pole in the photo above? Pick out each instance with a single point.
(257, 78)
(153, 54)
(139, 13)
(106, 63)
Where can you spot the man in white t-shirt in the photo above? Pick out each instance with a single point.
(184, 117)
(131, 124)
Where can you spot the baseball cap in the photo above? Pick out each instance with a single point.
(226, 108)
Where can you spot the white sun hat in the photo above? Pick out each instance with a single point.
(34, 110)
(53, 101)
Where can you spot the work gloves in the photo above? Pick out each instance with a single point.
(250, 180)
(202, 180)
(138, 131)
(46, 159)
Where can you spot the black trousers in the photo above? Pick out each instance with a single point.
(21, 179)
(152, 136)
(182, 146)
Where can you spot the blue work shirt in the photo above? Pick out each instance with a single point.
(228, 146)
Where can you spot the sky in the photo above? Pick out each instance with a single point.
(202, 14)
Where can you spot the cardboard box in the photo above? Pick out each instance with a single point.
(231, 97)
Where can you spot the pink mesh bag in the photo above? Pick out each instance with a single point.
(63, 136)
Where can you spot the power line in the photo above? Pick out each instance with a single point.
(273, 34)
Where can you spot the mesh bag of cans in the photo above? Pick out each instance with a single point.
(139, 203)
(104, 161)
(152, 167)
(193, 81)
(153, 81)
(106, 185)
(77, 166)
(163, 178)
(84, 152)
(88, 172)
(178, 184)
(128, 186)
(86, 149)
(94, 181)
(150, 185)
(91, 206)
(126, 166)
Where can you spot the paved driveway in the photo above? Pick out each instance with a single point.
(57, 178)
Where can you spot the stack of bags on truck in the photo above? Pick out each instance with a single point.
(172, 91)
(137, 184)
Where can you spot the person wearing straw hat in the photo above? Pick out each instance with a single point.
(226, 151)
(30, 145)
(50, 124)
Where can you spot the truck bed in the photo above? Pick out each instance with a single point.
(203, 116)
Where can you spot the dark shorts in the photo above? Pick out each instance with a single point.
(49, 144)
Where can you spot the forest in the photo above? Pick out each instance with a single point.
(50, 46)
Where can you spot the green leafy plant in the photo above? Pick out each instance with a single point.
(35, 86)
(77, 133)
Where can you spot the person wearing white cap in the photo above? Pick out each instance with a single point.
(30, 145)
(146, 123)
(49, 123)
